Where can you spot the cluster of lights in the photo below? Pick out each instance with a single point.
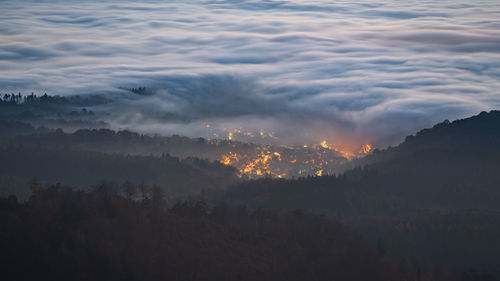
(283, 161)
(305, 160)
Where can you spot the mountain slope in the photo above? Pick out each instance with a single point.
(62, 234)
(450, 166)
(85, 168)
(414, 200)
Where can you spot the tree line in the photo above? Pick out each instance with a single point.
(66, 234)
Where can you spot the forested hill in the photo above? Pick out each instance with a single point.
(433, 199)
(69, 112)
(464, 133)
(16, 133)
(176, 177)
(450, 166)
(63, 234)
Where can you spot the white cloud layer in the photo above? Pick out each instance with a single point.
(366, 71)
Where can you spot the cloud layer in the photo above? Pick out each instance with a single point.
(367, 71)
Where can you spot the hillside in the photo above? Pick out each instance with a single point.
(85, 168)
(252, 160)
(450, 166)
(432, 200)
(62, 234)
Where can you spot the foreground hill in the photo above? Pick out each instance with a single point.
(62, 234)
(454, 239)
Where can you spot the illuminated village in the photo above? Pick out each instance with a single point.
(288, 161)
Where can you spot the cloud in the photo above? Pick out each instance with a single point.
(24, 52)
(402, 14)
(304, 69)
(245, 60)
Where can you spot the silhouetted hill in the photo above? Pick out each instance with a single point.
(69, 112)
(252, 160)
(62, 234)
(482, 129)
(10, 128)
(416, 197)
(450, 166)
(456, 239)
(85, 168)
(477, 132)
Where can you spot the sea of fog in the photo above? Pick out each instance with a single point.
(364, 71)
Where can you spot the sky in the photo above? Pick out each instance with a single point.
(365, 71)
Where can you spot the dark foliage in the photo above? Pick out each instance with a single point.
(10, 128)
(125, 142)
(63, 234)
(413, 203)
(452, 167)
(12, 99)
(459, 239)
(83, 168)
(53, 111)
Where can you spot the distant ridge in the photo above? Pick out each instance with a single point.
(482, 128)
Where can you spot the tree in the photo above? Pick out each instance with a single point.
(144, 191)
(129, 189)
(157, 197)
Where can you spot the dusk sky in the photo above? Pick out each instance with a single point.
(366, 71)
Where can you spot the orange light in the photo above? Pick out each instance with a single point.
(324, 144)
(365, 149)
(268, 160)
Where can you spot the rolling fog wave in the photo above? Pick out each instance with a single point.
(305, 70)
